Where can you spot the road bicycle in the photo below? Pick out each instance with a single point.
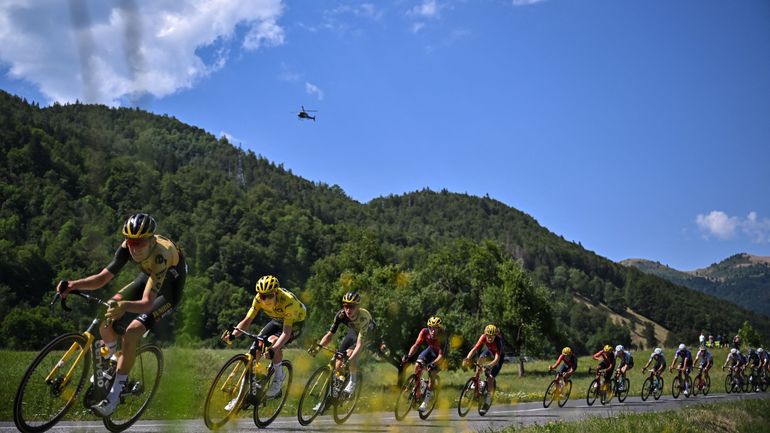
(558, 390)
(733, 382)
(599, 388)
(326, 388)
(753, 381)
(652, 386)
(701, 383)
(620, 386)
(413, 393)
(244, 381)
(679, 385)
(56, 376)
(475, 390)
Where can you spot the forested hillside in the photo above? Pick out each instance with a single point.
(742, 278)
(72, 174)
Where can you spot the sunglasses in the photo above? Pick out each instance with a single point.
(135, 243)
(349, 306)
(265, 296)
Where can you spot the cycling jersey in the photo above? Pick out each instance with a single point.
(606, 359)
(660, 361)
(737, 359)
(494, 347)
(685, 354)
(164, 258)
(624, 358)
(754, 359)
(362, 324)
(705, 359)
(437, 342)
(570, 361)
(286, 308)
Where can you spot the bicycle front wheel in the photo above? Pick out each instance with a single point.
(139, 390)
(424, 414)
(550, 393)
(268, 408)
(226, 393)
(707, 385)
(729, 383)
(676, 387)
(51, 383)
(467, 395)
(566, 390)
(313, 400)
(593, 392)
(405, 398)
(646, 389)
(658, 389)
(698, 383)
(347, 403)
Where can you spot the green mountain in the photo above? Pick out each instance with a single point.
(743, 279)
(71, 174)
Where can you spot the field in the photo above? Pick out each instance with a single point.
(188, 374)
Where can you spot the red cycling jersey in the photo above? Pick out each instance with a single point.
(570, 361)
(436, 342)
(495, 347)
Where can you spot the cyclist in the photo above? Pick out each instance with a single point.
(287, 315)
(763, 358)
(706, 361)
(737, 363)
(686, 364)
(624, 362)
(435, 339)
(361, 327)
(660, 363)
(606, 362)
(570, 363)
(493, 342)
(753, 362)
(134, 309)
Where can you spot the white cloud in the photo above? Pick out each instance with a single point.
(426, 9)
(231, 138)
(312, 89)
(719, 224)
(105, 52)
(525, 2)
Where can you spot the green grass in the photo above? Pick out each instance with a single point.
(731, 417)
(189, 372)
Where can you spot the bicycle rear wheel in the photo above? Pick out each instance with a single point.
(424, 414)
(51, 383)
(566, 389)
(313, 400)
(345, 405)
(676, 387)
(405, 397)
(550, 393)
(593, 392)
(268, 408)
(141, 384)
(226, 393)
(467, 396)
(658, 390)
(687, 386)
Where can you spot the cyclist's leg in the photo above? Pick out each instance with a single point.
(271, 332)
(426, 357)
(491, 382)
(110, 331)
(346, 346)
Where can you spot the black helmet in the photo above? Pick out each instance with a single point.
(351, 298)
(138, 226)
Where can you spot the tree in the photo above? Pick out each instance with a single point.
(749, 336)
(649, 335)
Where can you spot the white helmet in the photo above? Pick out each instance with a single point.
(658, 350)
(682, 347)
(733, 351)
(760, 350)
(619, 348)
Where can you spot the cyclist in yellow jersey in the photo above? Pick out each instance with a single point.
(287, 315)
(152, 296)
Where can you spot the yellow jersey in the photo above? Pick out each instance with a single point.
(286, 308)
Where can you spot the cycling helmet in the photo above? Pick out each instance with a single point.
(139, 226)
(682, 347)
(490, 329)
(760, 350)
(619, 348)
(267, 284)
(434, 322)
(566, 351)
(351, 298)
(702, 348)
(658, 351)
(733, 351)
(751, 350)
(607, 348)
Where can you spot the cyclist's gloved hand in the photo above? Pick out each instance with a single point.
(466, 363)
(227, 337)
(115, 311)
(431, 366)
(313, 350)
(63, 288)
(270, 354)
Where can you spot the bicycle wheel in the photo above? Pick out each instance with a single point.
(405, 398)
(605, 396)
(141, 384)
(593, 392)
(698, 383)
(226, 393)
(624, 393)
(646, 389)
(467, 396)
(550, 393)
(729, 383)
(658, 390)
(424, 414)
(51, 383)
(706, 386)
(483, 406)
(676, 387)
(344, 406)
(745, 385)
(268, 408)
(313, 400)
(763, 383)
(566, 389)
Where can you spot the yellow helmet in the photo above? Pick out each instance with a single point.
(566, 351)
(351, 298)
(490, 329)
(435, 322)
(607, 348)
(139, 226)
(267, 284)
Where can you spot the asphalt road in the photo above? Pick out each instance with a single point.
(499, 416)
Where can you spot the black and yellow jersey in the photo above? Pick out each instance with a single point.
(164, 255)
(286, 308)
(362, 324)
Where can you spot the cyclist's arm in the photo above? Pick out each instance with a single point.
(284, 337)
(326, 338)
(359, 345)
(415, 346)
(475, 348)
(91, 282)
(598, 355)
(143, 305)
(495, 360)
(558, 361)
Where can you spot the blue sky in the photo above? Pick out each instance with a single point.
(640, 129)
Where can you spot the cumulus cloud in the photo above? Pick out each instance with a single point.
(426, 9)
(109, 51)
(312, 89)
(231, 138)
(525, 2)
(722, 226)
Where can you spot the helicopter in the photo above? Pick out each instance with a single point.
(303, 114)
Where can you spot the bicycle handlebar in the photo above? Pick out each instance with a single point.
(89, 298)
